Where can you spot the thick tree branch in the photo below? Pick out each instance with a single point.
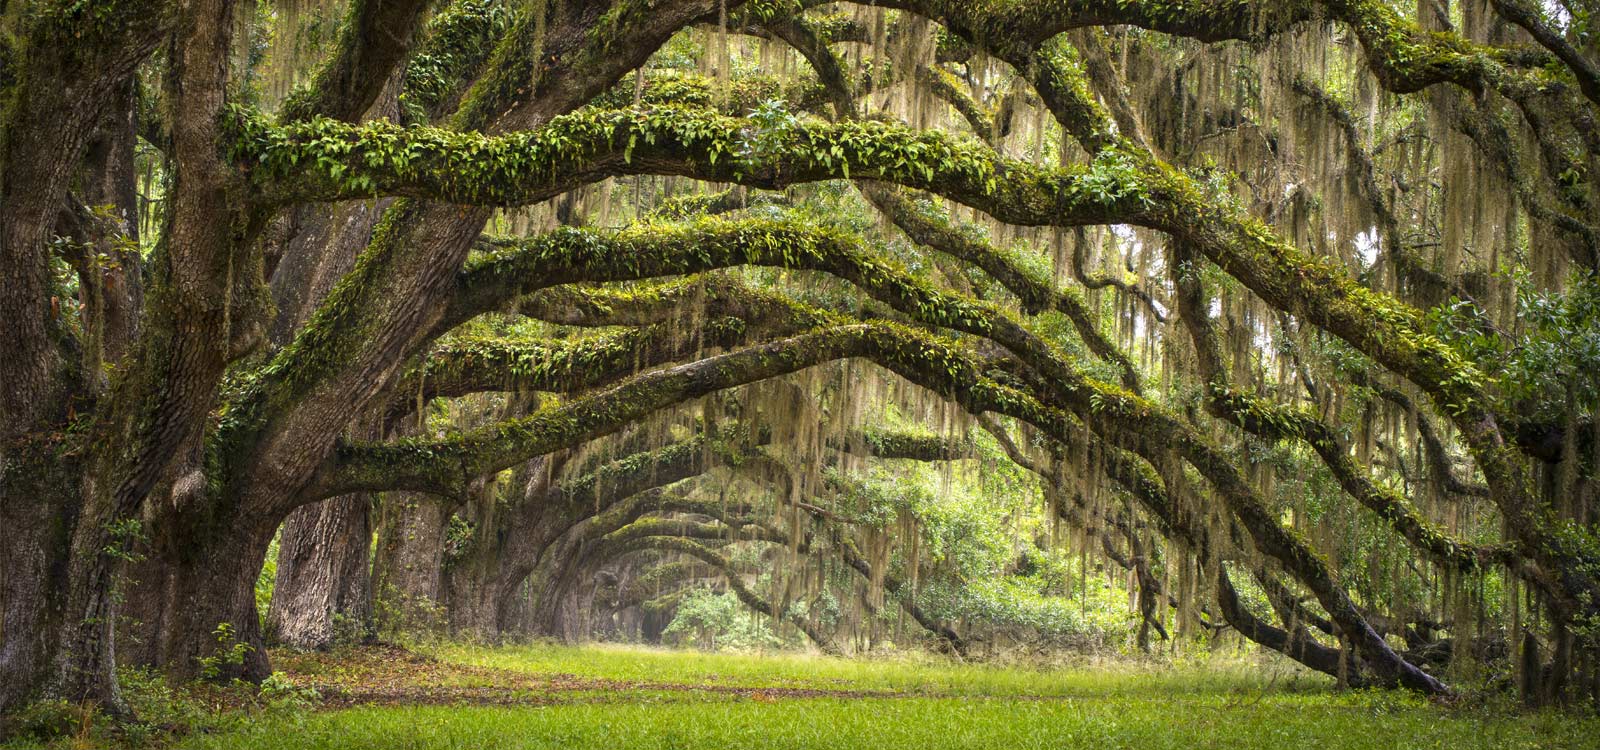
(1124, 188)
(374, 40)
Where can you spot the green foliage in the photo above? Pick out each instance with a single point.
(162, 713)
(279, 694)
(266, 580)
(163, 710)
(332, 159)
(229, 653)
(459, 538)
(44, 720)
(718, 621)
(459, 40)
(1113, 179)
(1559, 348)
(1542, 370)
(123, 536)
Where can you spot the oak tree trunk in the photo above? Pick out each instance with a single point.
(408, 563)
(323, 592)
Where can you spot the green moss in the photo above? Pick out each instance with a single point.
(326, 160)
(513, 66)
(459, 40)
(736, 97)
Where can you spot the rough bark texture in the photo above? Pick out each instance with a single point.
(320, 248)
(184, 610)
(323, 593)
(37, 517)
(56, 102)
(406, 587)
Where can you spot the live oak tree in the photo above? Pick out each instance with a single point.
(1193, 264)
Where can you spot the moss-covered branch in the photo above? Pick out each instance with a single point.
(953, 91)
(326, 160)
(1285, 277)
(374, 39)
(677, 301)
(457, 44)
(1401, 55)
(430, 465)
(1136, 478)
(470, 364)
(1122, 417)
(1036, 294)
(632, 535)
(911, 446)
(1118, 187)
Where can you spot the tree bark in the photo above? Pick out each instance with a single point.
(37, 512)
(192, 601)
(406, 570)
(555, 603)
(57, 96)
(323, 593)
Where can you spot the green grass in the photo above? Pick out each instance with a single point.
(932, 705)
(909, 675)
(616, 698)
(1098, 723)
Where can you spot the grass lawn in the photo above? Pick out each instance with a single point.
(910, 675)
(610, 698)
(1136, 724)
(613, 698)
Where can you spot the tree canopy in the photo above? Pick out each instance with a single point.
(1282, 318)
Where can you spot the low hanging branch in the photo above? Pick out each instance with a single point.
(444, 467)
(1116, 189)
(462, 365)
(1264, 419)
(1125, 419)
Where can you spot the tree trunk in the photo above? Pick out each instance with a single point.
(467, 578)
(323, 593)
(37, 510)
(52, 113)
(192, 610)
(216, 597)
(482, 586)
(556, 593)
(111, 284)
(406, 571)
